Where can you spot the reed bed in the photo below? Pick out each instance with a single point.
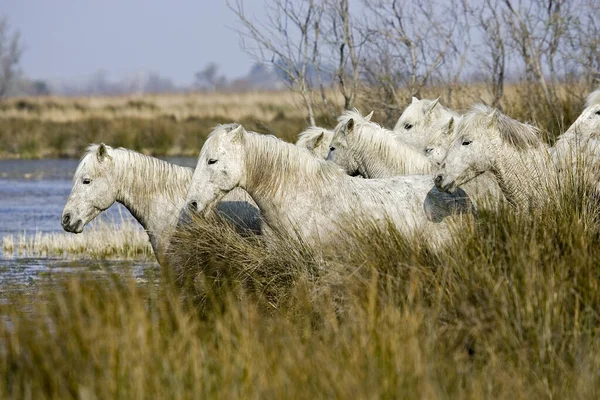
(262, 105)
(101, 239)
(178, 124)
(508, 310)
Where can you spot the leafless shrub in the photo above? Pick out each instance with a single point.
(10, 55)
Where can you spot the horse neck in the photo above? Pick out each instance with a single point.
(273, 179)
(145, 183)
(384, 156)
(522, 176)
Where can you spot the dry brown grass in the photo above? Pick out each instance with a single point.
(156, 125)
(509, 311)
(263, 106)
(178, 124)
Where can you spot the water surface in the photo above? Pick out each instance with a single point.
(32, 196)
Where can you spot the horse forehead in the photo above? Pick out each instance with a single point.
(214, 143)
(593, 109)
(217, 145)
(86, 165)
(413, 110)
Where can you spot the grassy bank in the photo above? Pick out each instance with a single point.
(510, 310)
(100, 239)
(178, 124)
(157, 125)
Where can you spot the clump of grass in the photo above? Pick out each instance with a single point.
(123, 239)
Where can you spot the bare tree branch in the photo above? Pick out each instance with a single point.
(10, 55)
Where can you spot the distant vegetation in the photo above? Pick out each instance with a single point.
(153, 124)
(38, 127)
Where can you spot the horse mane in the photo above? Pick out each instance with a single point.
(272, 162)
(375, 139)
(517, 134)
(156, 175)
(312, 132)
(354, 114)
(593, 98)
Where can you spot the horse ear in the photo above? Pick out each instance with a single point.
(431, 106)
(102, 153)
(368, 117)
(494, 117)
(238, 134)
(315, 142)
(449, 126)
(414, 100)
(349, 128)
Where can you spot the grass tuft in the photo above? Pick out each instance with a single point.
(123, 239)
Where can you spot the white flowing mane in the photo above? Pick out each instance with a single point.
(372, 138)
(272, 163)
(354, 114)
(153, 174)
(312, 132)
(519, 135)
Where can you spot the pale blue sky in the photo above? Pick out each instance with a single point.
(67, 39)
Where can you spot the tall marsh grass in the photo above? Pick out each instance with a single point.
(178, 124)
(509, 310)
(100, 239)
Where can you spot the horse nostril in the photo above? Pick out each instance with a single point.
(193, 205)
(66, 219)
(438, 179)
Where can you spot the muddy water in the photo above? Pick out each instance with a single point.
(32, 196)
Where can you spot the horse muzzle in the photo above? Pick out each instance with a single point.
(194, 208)
(444, 185)
(71, 225)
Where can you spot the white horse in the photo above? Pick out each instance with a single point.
(580, 144)
(316, 140)
(364, 148)
(374, 155)
(152, 190)
(416, 122)
(308, 198)
(487, 140)
(439, 140)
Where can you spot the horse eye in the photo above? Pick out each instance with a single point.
(408, 126)
(598, 112)
(212, 161)
(428, 150)
(466, 142)
(87, 181)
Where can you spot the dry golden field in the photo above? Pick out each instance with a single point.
(158, 125)
(178, 124)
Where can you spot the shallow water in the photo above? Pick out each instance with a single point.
(32, 196)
